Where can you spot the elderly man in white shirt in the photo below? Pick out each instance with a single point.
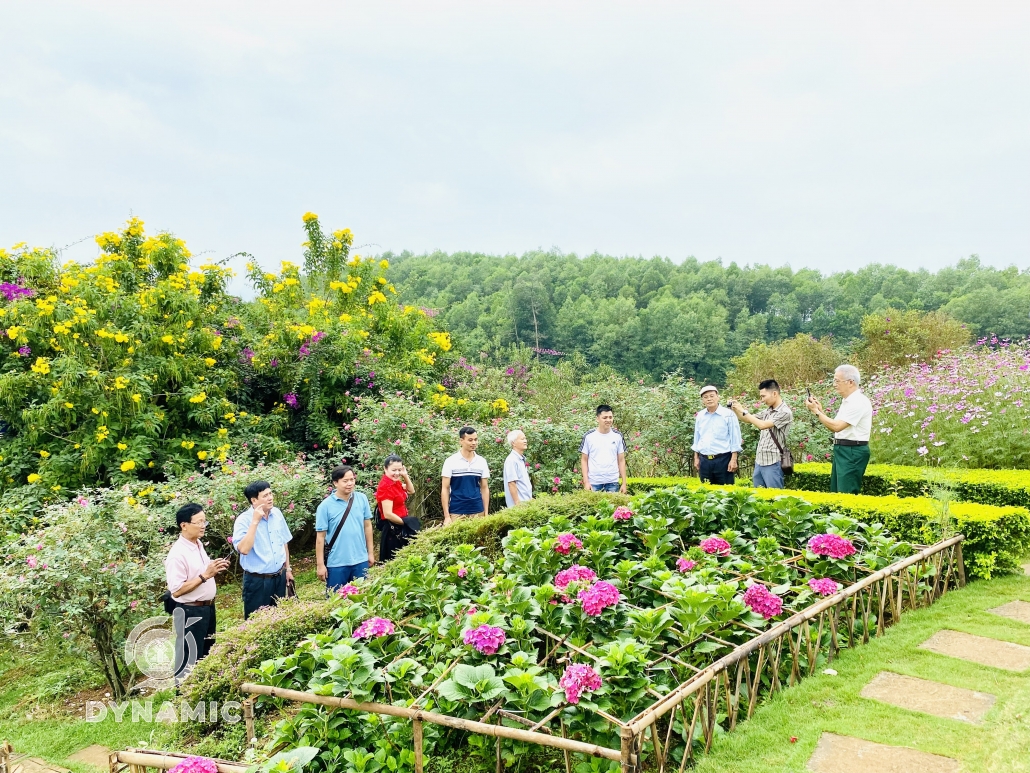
(851, 428)
(517, 485)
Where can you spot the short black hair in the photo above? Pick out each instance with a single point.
(466, 431)
(340, 471)
(769, 383)
(185, 514)
(253, 490)
(391, 459)
(602, 408)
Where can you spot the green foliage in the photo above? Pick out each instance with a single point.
(794, 363)
(894, 337)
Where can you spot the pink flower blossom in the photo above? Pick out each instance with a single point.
(825, 586)
(486, 638)
(715, 546)
(622, 513)
(31, 561)
(462, 571)
(767, 604)
(566, 542)
(196, 765)
(350, 589)
(574, 573)
(685, 564)
(373, 628)
(598, 597)
(133, 604)
(579, 679)
(832, 545)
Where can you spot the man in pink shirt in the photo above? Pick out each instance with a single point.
(191, 581)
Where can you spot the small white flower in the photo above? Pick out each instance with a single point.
(829, 672)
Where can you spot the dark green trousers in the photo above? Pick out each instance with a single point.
(849, 463)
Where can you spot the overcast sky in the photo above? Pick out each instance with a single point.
(817, 134)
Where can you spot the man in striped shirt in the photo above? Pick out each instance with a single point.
(465, 490)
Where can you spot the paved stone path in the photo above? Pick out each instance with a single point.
(96, 755)
(940, 700)
(979, 649)
(1014, 610)
(22, 763)
(843, 754)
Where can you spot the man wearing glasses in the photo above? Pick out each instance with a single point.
(851, 428)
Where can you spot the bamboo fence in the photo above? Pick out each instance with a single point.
(5, 757)
(138, 760)
(665, 736)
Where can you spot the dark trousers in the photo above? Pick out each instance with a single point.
(849, 463)
(715, 470)
(262, 591)
(194, 635)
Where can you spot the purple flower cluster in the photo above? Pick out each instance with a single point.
(13, 291)
(579, 679)
(574, 573)
(566, 542)
(622, 514)
(824, 586)
(767, 604)
(246, 355)
(373, 628)
(598, 597)
(290, 398)
(832, 545)
(685, 564)
(715, 546)
(486, 638)
(196, 765)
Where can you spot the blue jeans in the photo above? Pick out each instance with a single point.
(609, 488)
(767, 476)
(338, 576)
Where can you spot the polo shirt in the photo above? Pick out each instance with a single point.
(857, 411)
(268, 553)
(185, 561)
(516, 469)
(602, 450)
(466, 498)
(716, 432)
(350, 547)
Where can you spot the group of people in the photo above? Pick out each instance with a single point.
(344, 548)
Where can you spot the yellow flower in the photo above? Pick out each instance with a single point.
(44, 454)
(376, 297)
(188, 444)
(500, 405)
(309, 216)
(384, 264)
(202, 455)
(216, 342)
(69, 405)
(381, 280)
(199, 397)
(33, 478)
(210, 361)
(443, 340)
(137, 397)
(122, 446)
(40, 366)
(129, 465)
(222, 432)
(168, 339)
(14, 331)
(120, 382)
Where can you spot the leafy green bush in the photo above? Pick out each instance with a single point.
(794, 363)
(894, 337)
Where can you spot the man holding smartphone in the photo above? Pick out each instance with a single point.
(851, 429)
(774, 423)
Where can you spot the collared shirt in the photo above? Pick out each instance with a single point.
(185, 561)
(350, 547)
(466, 497)
(781, 416)
(393, 490)
(516, 469)
(716, 432)
(268, 553)
(602, 450)
(857, 411)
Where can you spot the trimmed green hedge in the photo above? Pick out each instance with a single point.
(996, 537)
(988, 487)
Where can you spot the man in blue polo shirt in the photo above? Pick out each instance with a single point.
(351, 552)
(716, 439)
(465, 490)
(261, 537)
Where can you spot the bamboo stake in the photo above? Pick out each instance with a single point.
(961, 567)
(416, 731)
(565, 752)
(168, 760)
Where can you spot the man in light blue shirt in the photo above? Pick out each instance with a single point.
(716, 439)
(517, 485)
(261, 537)
(343, 521)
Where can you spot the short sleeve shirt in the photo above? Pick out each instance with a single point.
(268, 555)
(394, 491)
(602, 450)
(857, 411)
(516, 469)
(185, 561)
(781, 416)
(350, 547)
(466, 498)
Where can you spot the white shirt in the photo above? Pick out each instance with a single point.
(857, 411)
(516, 469)
(602, 450)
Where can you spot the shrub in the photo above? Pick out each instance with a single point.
(897, 338)
(795, 362)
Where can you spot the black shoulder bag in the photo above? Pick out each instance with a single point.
(786, 458)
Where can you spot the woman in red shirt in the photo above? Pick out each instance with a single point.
(392, 496)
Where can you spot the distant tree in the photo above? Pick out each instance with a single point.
(896, 337)
(793, 363)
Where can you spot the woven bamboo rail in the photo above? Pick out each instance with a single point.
(663, 736)
(137, 760)
(5, 757)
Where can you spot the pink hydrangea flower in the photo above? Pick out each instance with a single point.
(566, 542)
(598, 597)
(373, 628)
(574, 573)
(622, 514)
(462, 571)
(350, 589)
(825, 586)
(31, 561)
(832, 545)
(486, 638)
(579, 679)
(767, 604)
(715, 546)
(196, 765)
(685, 564)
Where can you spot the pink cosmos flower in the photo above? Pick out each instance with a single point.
(486, 638)
(196, 765)
(825, 586)
(579, 679)
(566, 542)
(622, 514)
(685, 564)
(767, 604)
(598, 597)
(350, 589)
(373, 628)
(832, 545)
(715, 546)
(574, 573)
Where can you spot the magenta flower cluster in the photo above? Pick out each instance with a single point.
(767, 604)
(196, 765)
(832, 545)
(825, 586)
(290, 398)
(715, 546)
(348, 590)
(486, 638)
(685, 564)
(574, 573)
(373, 628)
(12, 291)
(579, 679)
(598, 597)
(622, 514)
(566, 542)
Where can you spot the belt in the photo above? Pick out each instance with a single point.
(208, 603)
(258, 574)
(717, 456)
(842, 442)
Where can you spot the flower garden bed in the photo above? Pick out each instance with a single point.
(623, 636)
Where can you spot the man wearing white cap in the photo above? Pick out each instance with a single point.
(716, 439)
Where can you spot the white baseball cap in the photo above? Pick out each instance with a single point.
(709, 388)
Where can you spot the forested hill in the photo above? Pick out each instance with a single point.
(654, 316)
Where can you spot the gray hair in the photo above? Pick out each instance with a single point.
(514, 435)
(849, 373)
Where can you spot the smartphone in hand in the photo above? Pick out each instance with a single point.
(809, 391)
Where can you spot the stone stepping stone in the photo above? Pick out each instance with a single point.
(1026, 568)
(96, 755)
(844, 754)
(940, 700)
(22, 763)
(1014, 610)
(979, 649)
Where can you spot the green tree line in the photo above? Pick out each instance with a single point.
(651, 317)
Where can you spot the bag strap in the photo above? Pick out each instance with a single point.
(772, 434)
(346, 513)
